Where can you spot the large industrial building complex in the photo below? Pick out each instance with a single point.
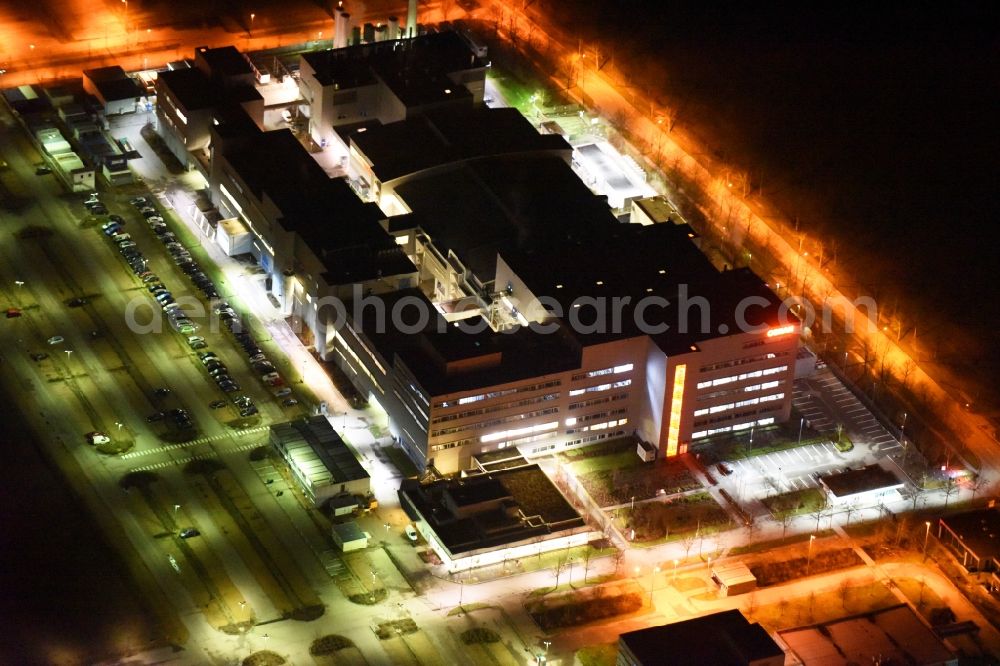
(462, 275)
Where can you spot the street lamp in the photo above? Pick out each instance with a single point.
(176, 506)
(802, 422)
(119, 424)
(676, 562)
(927, 534)
(19, 283)
(652, 583)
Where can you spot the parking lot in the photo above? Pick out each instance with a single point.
(826, 405)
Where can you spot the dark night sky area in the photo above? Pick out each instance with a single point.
(874, 123)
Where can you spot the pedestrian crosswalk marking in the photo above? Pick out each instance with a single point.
(194, 442)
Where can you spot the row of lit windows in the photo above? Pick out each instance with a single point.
(742, 361)
(714, 395)
(523, 440)
(593, 417)
(734, 405)
(598, 401)
(739, 426)
(451, 445)
(497, 394)
(606, 371)
(519, 432)
(598, 426)
(735, 415)
(600, 387)
(420, 423)
(341, 348)
(494, 422)
(495, 408)
(738, 378)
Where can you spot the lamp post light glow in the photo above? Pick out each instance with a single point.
(812, 537)
(927, 534)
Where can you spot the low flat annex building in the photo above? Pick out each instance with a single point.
(492, 518)
(117, 92)
(860, 487)
(974, 537)
(720, 639)
(894, 635)
(320, 460)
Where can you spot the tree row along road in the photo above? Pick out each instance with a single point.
(765, 230)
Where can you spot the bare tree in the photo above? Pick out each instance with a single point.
(950, 488)
(688, 542)
(844, 587)
(978, 483)
(819, 514)
(784, 517)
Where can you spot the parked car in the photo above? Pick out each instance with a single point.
(12, 313)
(289, 402)
(56, 339)
(42, 170)
(77, 302)
(282, 392)
(155, 416)
(411, 533)
(724, 469)
(96, 437)
(161, 392)
(39, 356)
(138, 202)
(189, 532)
(217, 404)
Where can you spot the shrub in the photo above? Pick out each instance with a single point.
(329, 644)
(480, 635)
(586, 610)
(771, 573)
